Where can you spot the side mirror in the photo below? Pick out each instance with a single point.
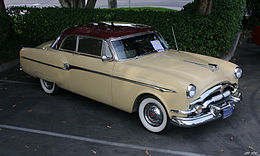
(105, 58)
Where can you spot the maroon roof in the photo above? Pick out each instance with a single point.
(107, 29)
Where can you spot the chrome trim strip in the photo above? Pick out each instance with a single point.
(42, 62)
(105, 74)
(211, 67)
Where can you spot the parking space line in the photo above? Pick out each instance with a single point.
(17, 82)
(98, 141)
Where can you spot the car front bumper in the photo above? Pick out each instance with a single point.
(214, 112)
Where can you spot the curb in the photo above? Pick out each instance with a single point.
(9, 65)
(233, 48)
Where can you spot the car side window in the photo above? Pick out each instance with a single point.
(69, 43)
(89, 46)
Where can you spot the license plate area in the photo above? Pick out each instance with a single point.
(227, 112)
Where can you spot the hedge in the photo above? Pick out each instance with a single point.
(9, 42)
(5, 28)
(207, 35)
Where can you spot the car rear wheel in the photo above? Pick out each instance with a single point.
(152, 114)
(48, 87)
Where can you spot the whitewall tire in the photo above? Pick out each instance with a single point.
(153, 115)
(48, 87)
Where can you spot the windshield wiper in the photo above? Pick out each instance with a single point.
(150, 52)
(157, 50)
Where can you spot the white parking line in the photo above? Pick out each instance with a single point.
(18, 82)
(97, 141)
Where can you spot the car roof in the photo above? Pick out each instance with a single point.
(107, 30)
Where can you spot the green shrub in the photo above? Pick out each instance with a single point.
(5, 28)
(9, 41)
(207, 35)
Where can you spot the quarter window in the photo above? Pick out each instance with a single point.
(89, 46)
(69, 43)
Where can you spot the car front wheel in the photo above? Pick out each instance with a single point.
(48, 87)
(152, 114)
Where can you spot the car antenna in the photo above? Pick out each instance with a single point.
(176, 44)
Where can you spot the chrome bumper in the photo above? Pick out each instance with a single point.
(201, 119)
(214, 112)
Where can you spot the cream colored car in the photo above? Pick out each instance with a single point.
(130, 67)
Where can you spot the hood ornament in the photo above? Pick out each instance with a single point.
(211, 67)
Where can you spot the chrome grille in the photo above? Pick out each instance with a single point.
(220, 92)
(218, 97)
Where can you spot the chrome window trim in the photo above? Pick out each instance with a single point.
(103, 53)
(63, 42)
(89, 55)
(125, 37)
(85, 54)
(54, 44)
(77, 44)
(132, 35)
(91, 37)
(67, 51)
(112, 50)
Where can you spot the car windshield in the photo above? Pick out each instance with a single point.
(137, 46)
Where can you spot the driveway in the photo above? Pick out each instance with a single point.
(173, 4)
(33, 123)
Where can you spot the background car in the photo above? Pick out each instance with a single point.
(256, 35)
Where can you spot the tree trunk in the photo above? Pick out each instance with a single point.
(91, 4)
(204, 7)
(2, 6)
(112, 3)
(72, 3)
(79, 3)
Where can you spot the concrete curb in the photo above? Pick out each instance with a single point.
(8, 65)
(233, 48)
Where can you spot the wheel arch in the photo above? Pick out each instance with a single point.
(141, 97)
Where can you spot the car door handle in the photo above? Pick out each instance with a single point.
(66, 66)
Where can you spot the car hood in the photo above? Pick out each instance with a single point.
(176, 70)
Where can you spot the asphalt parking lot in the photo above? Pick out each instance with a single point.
(33, 123)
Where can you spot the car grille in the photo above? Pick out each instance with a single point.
(218, 95)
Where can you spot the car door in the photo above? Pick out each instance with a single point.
(58, 59)
(89, 75)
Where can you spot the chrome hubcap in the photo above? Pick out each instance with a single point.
(153, 114)
(48, 85)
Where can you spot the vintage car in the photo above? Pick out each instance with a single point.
(130, 67)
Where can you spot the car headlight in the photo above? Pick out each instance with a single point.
(191, 91)
(238, 73)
